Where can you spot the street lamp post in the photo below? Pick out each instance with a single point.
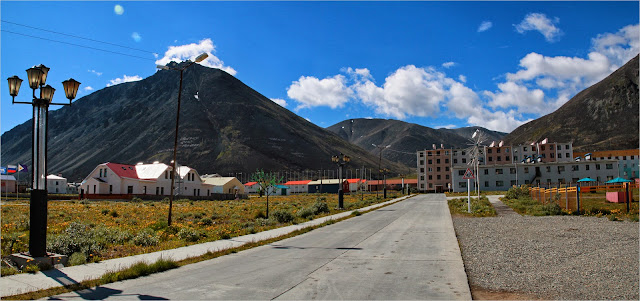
(37, 77)
(381, 148)
(198, 59)
(340, 160)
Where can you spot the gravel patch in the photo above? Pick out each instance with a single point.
(552, 257)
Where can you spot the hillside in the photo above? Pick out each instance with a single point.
(228, 127)
(601, 117)
(405, 138)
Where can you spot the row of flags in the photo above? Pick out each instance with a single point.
(11, 169)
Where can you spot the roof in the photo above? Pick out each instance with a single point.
(151, 171)
(218, 181)
(123, 170)
(325, 182)
(351, 181)
(281, 187)
(250, 183)
(184, 170)
(303, 182)
(393, 182)
(7, 178)
(610, 153)
(54, 177)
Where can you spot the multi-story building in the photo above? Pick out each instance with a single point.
(628, 163)
(497, 154)
(502, 177)
(434, 170)
(543, 152)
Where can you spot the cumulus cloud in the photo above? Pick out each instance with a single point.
(191, 51)
(539, 22)
(281, 102)
(514, 95)
(448, 64)
(619, 47)
(124, 79)
(310, 92)
(118, 9)
(88, 88)
(484, 26)
(136, 37)
(462, 78)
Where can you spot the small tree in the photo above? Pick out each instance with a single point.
(267, 183)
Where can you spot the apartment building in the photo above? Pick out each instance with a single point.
(627, 160)
(434, 169)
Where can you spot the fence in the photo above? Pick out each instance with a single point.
(567, 197)
(147, 197)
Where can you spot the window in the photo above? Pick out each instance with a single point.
(548, 168)
(498, 150)
(462, 184)
(438, 177)
(437, 161)
(464, 160)
(553, 155)
(446, 161)
(430, 162)
(624, 157)
(429, 154)
(455, 161)
(597, 166)
(486, 171)
(490, 159)
(194, 191)
(561, 181)
(105, 172)
(438, 153)
(498, 171)
(422, 186)
(506, 158)
(421, 156)
(617, 158)
(513, 182)
(486, 183)
(524, 149)
(129, 189)
(586, 167)
(430, 177)
(499, 183)
(560, 169)
(438, 168)
(446, 168)
(566, 155)
(499, 158)
(157, 190)
(559, 156)
(421, 162)
(162, 190)
(632, 157)
(515, 158)
(512, 170)
(609, 178)
(542, 148)
(609, 166)
(575, 167)
(489, 151)
(446, 177)
(101, 173)
(609, 158)
(559, 147)
(461, 172)
(506, 150)
(526, 170)
(110, 189)
(421, 169)
(430, 185)
(166, 174)
(446, 153)
(430, 169)
(463, 153)
(421, 178)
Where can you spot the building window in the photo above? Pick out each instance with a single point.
(513, 182)
(490, 159)
(429, 154)
(129, 189)
(430, 177)
(586, 167)
(421, 178)
(422, 169)
(506, 158)
(461, 172)
(100, 173)
(489, 151)
(437, 161)
(486, 183)
(566, 155)
(110, 189)
(624, 157)
(162, 190)
(499, 183)
(430, 185)
(609, 166)
(462, 184)
(560, 169)
(438, 177)
(542, 148)
(464, 160)
(446, 168)
(559, 156)
(446, 161)
(498, 150)
(463, 153)
(515, 158)
(499, 158)
(446, 177)
(548, 168)
(430, 169)
(157, 190)
(609, 178)
(421, 155)
(561, 181)
(421, 162)
(553, 155)
(597, 166)
(559, 147)
(506, 150)
(446, 153)
(422, 186)
(575, 167)
(438, 153)
(486, 171)
(438, 168)
(526, 170)
(430, 162)
(455, 161)
(512, 170)
(498, 171)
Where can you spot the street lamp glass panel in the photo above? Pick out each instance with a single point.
(346, 158)
(14, 85)
(334, 159)
(34, 76)
(201, 57)
(70, 88)
(46, 93)
(45, 71)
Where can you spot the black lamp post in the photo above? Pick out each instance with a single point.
(381, 148)
(198, 59)
(384, 172)
(340, 160)
(37, 77)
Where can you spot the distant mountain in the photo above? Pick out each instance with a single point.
(405, 138)
(601, 117)
(225, 126)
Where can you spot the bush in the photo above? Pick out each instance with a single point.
(306, 212)
(552, 209)
(146, 238)
(76, 238)
(259, 214)
(159, 225)
(6, 271)
(206, 221)
(77, 258)
(105, 211)
(283, 216)
(189, 234)
(356, 213)
(320, 207)
(114, 213)
(516, 192)
(136, 199)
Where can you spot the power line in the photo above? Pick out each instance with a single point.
(78, 45)
(78, 37)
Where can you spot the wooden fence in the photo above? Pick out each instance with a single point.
(567, 197)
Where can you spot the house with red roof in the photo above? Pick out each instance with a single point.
(298, 186)
(251, 187)
(143, 179)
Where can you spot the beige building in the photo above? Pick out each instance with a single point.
(224, 184)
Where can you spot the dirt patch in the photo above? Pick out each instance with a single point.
(479, 293)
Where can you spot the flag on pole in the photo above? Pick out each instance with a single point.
(12, 168)
(3, 170)
(22, 168)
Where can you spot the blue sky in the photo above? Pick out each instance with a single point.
(438, 64)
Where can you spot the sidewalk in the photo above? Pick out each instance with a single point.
(23, 283)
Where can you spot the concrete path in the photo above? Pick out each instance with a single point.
(23, 283)
(501, 208)
(404, 251)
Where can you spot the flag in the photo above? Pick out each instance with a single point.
(22, 168)
(12, 168)
(3, 170)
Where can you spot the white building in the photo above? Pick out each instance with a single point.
(8, 183)
(56, 184)
(143, 179)
(251, 187)
(229, 185)
(298, 186)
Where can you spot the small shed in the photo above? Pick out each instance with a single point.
(324, 186)
(56, 184)
(8, 183)
(224, 184)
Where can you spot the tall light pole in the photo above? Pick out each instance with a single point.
(340, 160)
(37, 77)
(198, 59)
(381, 148)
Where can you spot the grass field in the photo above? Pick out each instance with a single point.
(480, 208)
(472, 193)
(90, 231)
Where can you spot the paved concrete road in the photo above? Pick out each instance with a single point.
(404, 251)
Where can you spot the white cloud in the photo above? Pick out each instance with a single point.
(310, 92)
(462, 78)
(514, 95)
(448, 126)
(191, 51)
(619, 47)
(118, 9)
(136, 37)
(497, 121)
(540, 23)
(88, 88)
(484, 26)
(124, 79)
(281, 102)
(307, 119)
(448, 64)
(408, 91)
(95, 72)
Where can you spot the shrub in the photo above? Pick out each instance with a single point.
(634, 218)
(159, 225)
(76, 238)
(516, 192)
(552, 209)
(259, 214)
(136, 199)
(32, 269)
(77, 258)
(114, 213)
(320, 207)
(6, 271)
(206, 221)
(306, 212)
(356, 213)
(105, 211)
(189, 234)
(145, 238)
(283, 216)
(264, 222)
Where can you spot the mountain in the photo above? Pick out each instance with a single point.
(228, 127)
(601, 117)
(405, 138)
